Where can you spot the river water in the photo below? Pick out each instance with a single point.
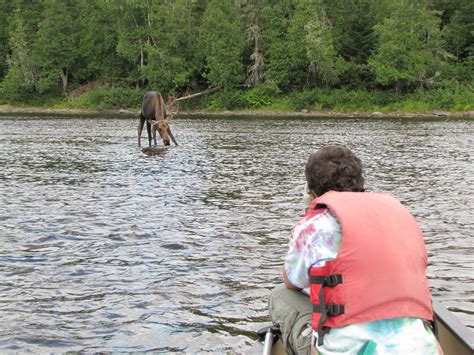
(105, 248)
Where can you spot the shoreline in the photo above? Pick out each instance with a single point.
(5, 109)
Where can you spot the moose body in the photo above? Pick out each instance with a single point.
(156, 115)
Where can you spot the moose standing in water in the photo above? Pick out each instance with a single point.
(157, 117)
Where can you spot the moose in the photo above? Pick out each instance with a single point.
(157, 117)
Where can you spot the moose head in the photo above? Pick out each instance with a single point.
(157, 115)
(162, 125)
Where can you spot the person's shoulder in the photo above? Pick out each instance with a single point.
(322, 216)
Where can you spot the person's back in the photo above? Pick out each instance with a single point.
(358, 310)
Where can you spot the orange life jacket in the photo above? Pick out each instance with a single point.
(379, 271)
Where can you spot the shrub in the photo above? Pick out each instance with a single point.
(108, 98)
(226, 100)
(303, 99)
(261, 96)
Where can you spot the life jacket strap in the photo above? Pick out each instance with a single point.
(332, 309)
(323, 318)
(325, 310)
(326, 281)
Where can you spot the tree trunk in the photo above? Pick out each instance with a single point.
(398, 86)
(64, 78)
(255, 70)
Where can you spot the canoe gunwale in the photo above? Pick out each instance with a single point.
(454, 325)
(454, 336)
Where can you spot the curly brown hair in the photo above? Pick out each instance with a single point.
(334, 168)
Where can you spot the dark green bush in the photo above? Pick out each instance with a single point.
(302, 100)
(262, 95)
(449, 95)
(226, 100)
(109, 98)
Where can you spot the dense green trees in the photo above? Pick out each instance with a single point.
(221, 42)
(458, 35)
(173, 36)
(409, 50)
(51, 47)
(5, 11)
(98, 36)
(326, 64)
(55, 49)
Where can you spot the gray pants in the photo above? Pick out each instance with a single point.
(291, 310)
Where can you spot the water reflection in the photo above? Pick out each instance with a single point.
(108, 248)
(155, 151)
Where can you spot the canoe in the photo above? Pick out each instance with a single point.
(454, 337)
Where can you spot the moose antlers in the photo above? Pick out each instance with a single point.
(170, 105)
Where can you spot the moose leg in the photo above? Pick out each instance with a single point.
(154, 134)
(148, 130)
(140, 129)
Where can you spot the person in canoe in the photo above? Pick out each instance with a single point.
(363, 258)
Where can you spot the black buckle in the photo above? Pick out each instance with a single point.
(335, 309)
(333, 280)
(331, 309)
(317, 308)
(319, 280)
(326, 281)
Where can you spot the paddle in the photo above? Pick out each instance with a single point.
(270, 332)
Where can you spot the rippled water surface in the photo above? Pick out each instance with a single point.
(107, 249)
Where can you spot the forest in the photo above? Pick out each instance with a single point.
(362, 55)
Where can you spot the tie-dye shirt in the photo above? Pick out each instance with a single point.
(317, 238)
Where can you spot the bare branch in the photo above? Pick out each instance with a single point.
(208, 91)
(171, 114)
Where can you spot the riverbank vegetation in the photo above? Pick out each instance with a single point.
(278, 55)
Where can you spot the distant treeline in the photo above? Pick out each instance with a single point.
(264, 53)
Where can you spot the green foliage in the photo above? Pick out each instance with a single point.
(222, 42)
(299, 54)
(22, 74)
(28, 98)
(279, 66)
(453, 97)
(132, 29)
(98, 40)
(13, 86)
(352, 27)
(261, 95)
(254, 52)
(409, 51)
(341, 100)
(226, 100)
(55, 50)
(458, 31)
(172, 46)
(299, 65)
(450, 96)
(6, 11)
(320, 50)
(459, 41)
(109, 98)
